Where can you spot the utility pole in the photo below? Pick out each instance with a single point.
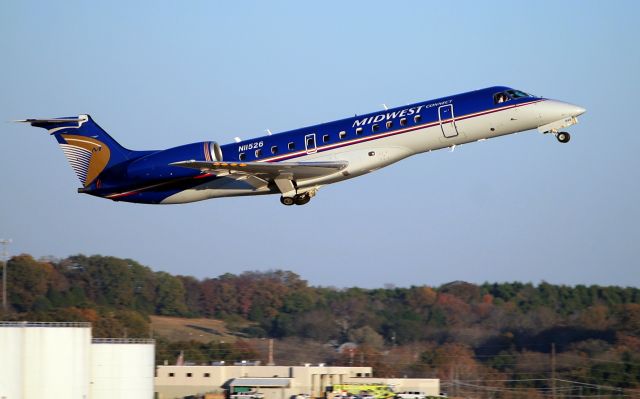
(271, 362)
(5, 257)
(553, 370)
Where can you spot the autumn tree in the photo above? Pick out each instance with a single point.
(28, 282)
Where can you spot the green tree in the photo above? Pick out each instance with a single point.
(170, 295)
(106, 280)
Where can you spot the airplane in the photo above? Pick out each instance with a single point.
(296, 163)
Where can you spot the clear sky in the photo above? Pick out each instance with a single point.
(159, 74)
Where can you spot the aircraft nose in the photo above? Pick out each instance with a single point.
(578, 110)
(572, 110)
(553, 110)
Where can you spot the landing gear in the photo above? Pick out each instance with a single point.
(302, 199)
(298, 199)
(291, 194)
(563, 137)
(287, 200)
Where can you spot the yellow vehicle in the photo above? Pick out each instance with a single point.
(364, 391)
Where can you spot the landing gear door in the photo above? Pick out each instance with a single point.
(447, 121)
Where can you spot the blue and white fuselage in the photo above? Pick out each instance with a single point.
(295, 164)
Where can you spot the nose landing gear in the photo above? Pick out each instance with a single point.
(563, 137)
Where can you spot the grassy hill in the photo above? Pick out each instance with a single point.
(182, 329)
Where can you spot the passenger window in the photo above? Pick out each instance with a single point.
(417, 118)
(243, 156)
(258, 152)
(403, 122)
(292, 146)
(342, 134)
(375, 127)
(274, 149)
(389, 124)
(359, 130)
(325, 138)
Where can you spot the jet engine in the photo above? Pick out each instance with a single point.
(156, 166)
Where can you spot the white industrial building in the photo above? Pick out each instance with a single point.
(274, 382)
(61, 360)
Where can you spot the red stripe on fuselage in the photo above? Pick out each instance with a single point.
(340, 145)
(393, 133)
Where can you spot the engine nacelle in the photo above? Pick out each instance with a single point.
(156, 166)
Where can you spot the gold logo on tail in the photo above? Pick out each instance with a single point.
(88, 157)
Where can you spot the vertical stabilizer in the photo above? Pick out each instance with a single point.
(87, 147)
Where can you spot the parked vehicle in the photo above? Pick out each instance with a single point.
(411, 395)
(247, 395)
(359, 390)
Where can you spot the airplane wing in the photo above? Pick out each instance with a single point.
(268, 171)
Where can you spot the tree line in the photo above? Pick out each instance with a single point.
(455, 331)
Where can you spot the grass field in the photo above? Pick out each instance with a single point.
(181, 329)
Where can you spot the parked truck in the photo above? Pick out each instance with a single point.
(359, 391)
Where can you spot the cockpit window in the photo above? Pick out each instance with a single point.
(517, 94)
(507, 95)
(500, 98)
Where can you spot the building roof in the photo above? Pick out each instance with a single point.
(260, 382)
(31, 324)
(123, 341)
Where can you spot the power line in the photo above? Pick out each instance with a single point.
(599, 360)
(547, 392)
(599, 386)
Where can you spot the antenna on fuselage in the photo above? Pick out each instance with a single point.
(385, 107)
(269, 132)
(237, 139)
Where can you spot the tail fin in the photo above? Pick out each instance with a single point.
(88, 148)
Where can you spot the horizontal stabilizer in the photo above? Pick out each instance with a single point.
(45, 121)
(270, 171)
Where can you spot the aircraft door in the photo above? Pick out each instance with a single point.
(310, 143)
(447, 121)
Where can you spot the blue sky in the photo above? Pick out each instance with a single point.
(160, 74)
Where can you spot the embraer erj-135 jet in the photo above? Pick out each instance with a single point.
(295, 164)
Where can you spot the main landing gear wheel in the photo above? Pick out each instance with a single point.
(287, 200)
(302, 199)
(563, 137)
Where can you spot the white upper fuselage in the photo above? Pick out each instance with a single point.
(376, 149)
